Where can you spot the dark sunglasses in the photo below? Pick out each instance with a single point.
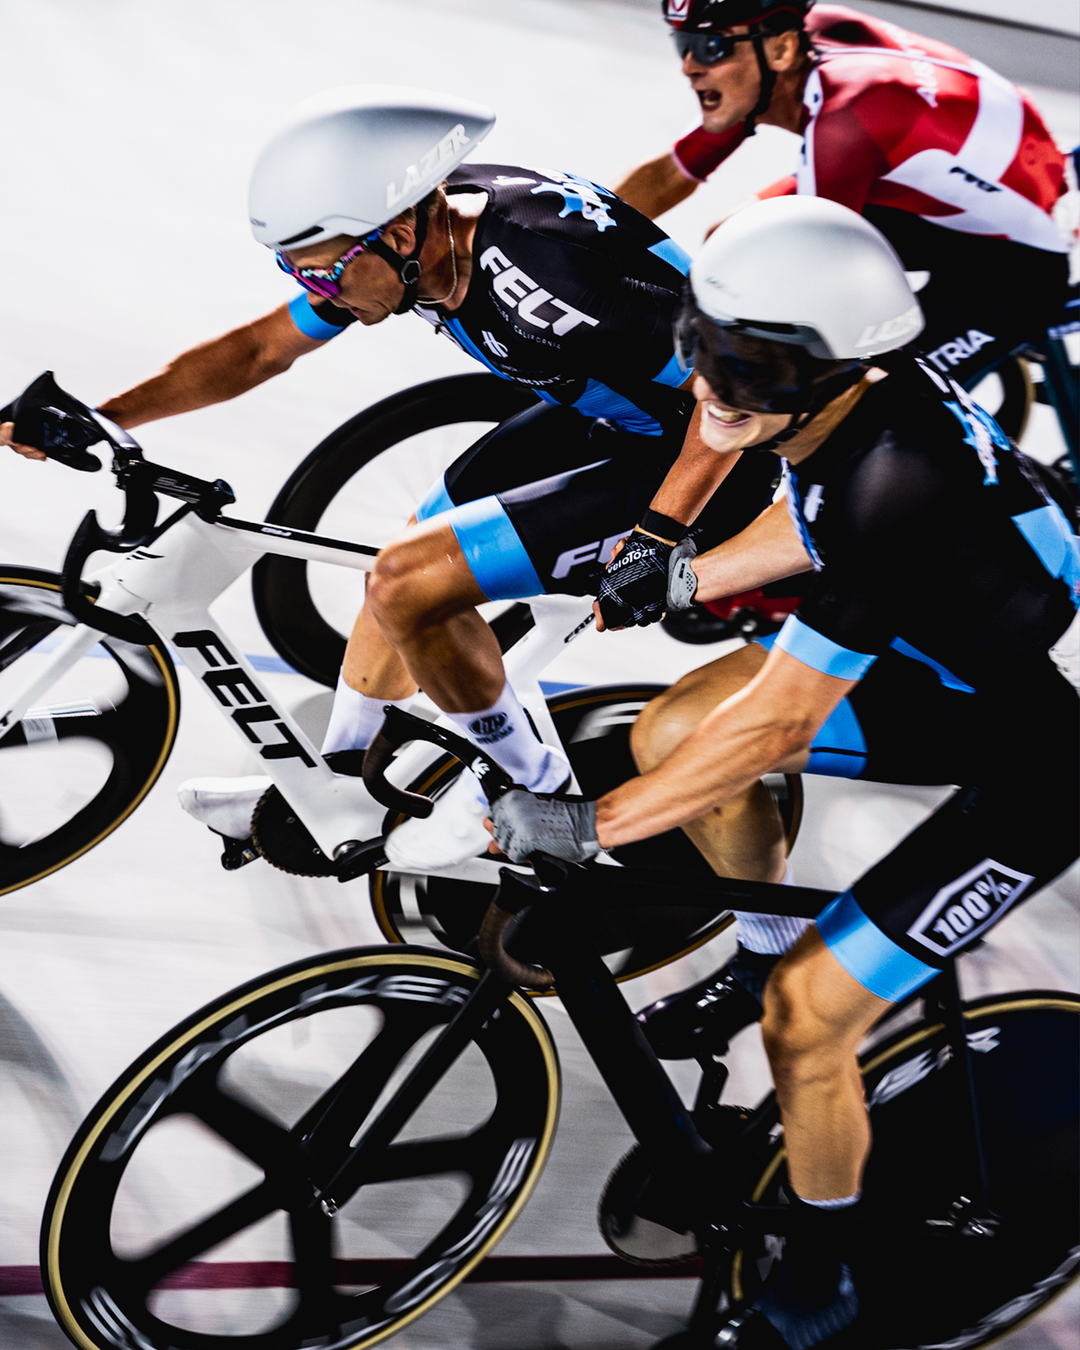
(325, 281)
(708, 48)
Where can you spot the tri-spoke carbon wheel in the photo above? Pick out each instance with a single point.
(80, 761)
(209, 1200)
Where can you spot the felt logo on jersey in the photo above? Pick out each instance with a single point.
(517, 290)
(893, 331)
(968, 906)
(975, 180)
(424, 173)
(494, 345)
(579, 195)
(598, 550)
(490, 728)
(959, 349)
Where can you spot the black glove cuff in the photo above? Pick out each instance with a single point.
(664, 527)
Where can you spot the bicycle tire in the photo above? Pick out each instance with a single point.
(217, 1067)
(962, 1292)
(138, 730)
(284, 604)
(594, 726)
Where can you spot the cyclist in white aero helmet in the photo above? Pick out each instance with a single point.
(348, 160)
(897, 486)
(548, 280)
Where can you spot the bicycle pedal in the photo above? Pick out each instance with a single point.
(237, 853)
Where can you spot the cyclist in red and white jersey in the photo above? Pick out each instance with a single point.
(948, 159)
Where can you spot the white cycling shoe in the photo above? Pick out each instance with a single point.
(452, 833)
(226, 805)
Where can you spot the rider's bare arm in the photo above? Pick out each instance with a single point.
(656, 186)
(214, 371)
(763, 727)
(694, 476)
(210, 373)
(767, 550)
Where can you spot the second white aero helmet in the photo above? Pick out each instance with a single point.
(787, 297)
(346, 161)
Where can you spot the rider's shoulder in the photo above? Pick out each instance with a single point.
(556, 205)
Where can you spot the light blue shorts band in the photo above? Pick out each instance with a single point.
(839, 748)
(869, 955)
(820, 653)
(436, 502)
(493, 550)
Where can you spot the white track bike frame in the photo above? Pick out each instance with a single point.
(172, 582)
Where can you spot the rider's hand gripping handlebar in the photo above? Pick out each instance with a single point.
(48, 418)
(515, 891)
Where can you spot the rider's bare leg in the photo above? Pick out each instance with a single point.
(745, 837)
(815, 1016)
(423, 597)
(371, 666)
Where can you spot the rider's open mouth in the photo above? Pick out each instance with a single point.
(708, 98)
(726, 417)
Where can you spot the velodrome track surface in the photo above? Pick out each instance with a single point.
(129, 130)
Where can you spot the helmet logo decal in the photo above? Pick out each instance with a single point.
(419, 175)
(892, 330)
(579, 195)
(676, 10)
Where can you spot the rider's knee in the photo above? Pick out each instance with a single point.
(801, 1045)
(661, 725)
(666, 721)
(392, 592)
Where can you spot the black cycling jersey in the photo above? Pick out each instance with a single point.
(572, 293)
(935, 537)
(944, 575)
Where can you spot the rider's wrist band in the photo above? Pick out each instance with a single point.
(664, 527)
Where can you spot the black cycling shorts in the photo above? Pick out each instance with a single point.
(1011, 827)
(539, 503)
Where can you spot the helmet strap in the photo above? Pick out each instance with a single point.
(768, 83)
(408, 269)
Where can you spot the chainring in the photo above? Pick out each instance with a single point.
(281, 837)
(639, 1219)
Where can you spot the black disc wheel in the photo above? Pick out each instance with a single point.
(922, 1281)
(362, 483)
(191, 1210)
(89, 748)
(594, 727)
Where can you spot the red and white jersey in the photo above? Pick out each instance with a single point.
(894, 119)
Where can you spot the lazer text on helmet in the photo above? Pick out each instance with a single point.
(416, 175)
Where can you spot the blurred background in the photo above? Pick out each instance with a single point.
(127, 132)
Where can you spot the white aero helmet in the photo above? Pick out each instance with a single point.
(347, 160)
(789, 297)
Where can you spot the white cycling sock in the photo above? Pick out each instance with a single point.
(355, 718)
(504, 732)
(770, 934)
